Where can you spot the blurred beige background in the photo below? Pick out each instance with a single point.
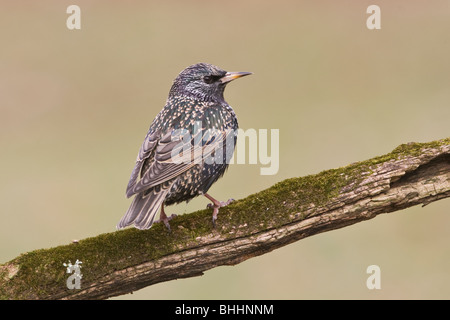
(75, 106)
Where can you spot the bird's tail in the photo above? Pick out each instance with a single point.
(143, 209)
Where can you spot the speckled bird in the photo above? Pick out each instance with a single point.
(187, 148)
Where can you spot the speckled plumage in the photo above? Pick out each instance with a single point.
(197, 120)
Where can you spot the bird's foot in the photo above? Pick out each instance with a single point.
(166, 219)
(215, 205)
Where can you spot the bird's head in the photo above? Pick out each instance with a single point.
(204, 82)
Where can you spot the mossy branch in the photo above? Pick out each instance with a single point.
(120, 262)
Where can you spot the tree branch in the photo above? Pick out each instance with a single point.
(120, 262)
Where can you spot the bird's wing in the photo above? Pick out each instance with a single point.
(148, 146)
(163, 158)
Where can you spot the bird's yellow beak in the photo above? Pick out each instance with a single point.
(229, 76)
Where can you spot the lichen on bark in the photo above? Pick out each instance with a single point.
(288, 211)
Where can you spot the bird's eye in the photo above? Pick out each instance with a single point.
(210, 79)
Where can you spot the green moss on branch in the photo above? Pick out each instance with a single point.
(40, 274)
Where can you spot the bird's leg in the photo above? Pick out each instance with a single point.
(216, 205)
(164, 218)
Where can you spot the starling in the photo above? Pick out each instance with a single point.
(187, 148)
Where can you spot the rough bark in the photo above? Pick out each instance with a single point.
(123, 261)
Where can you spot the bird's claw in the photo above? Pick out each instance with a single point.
(215, 206)
(219, 204)
(166, 220)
